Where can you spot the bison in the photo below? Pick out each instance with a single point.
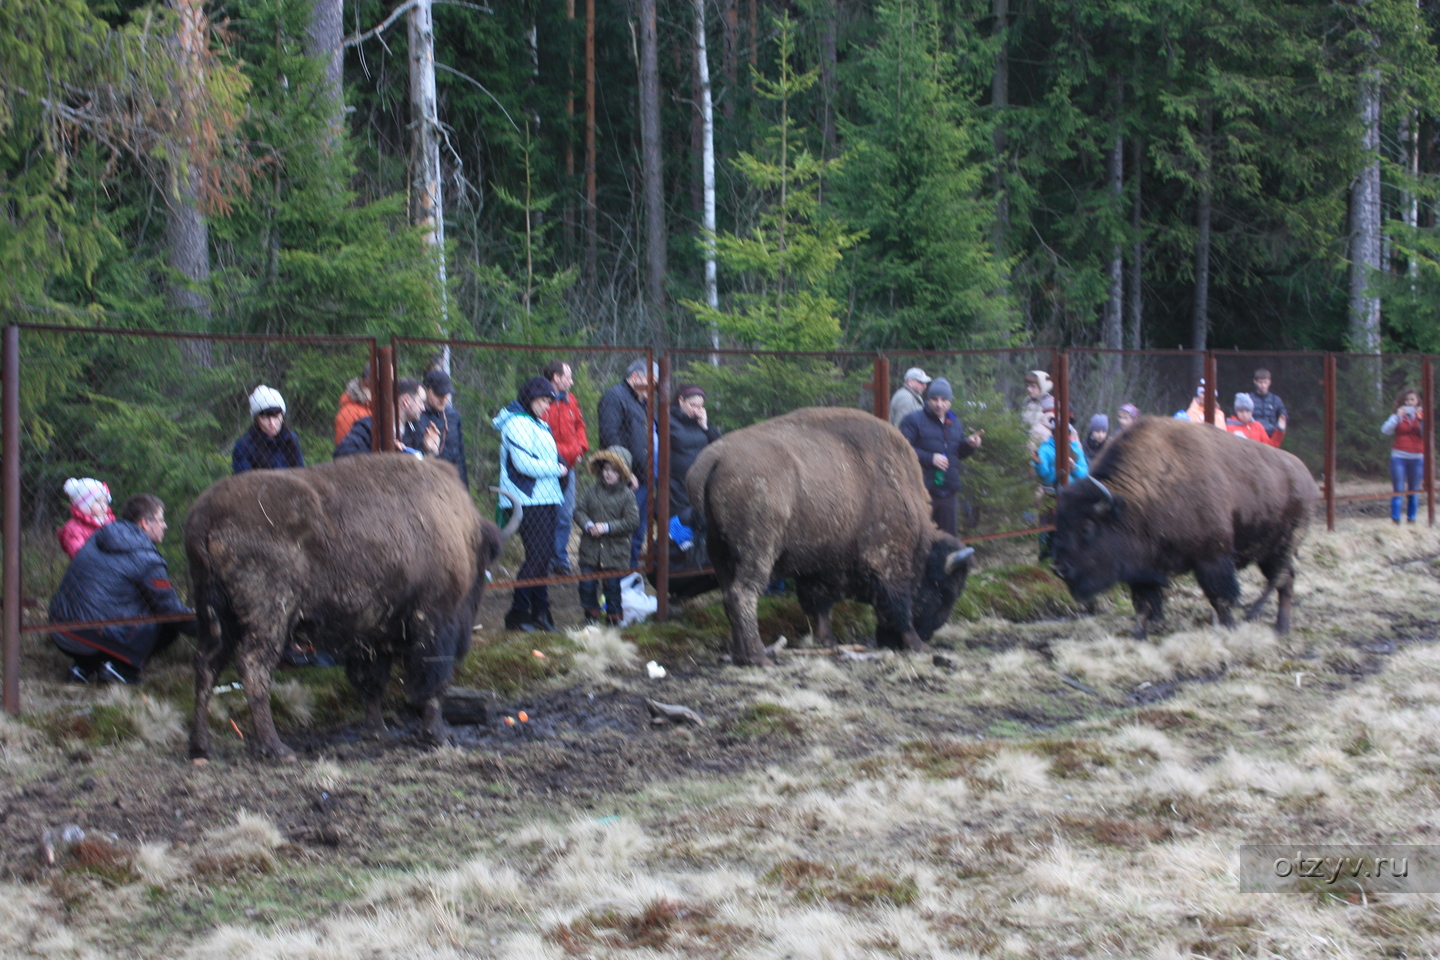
(1167, 497)
(371, 558)
(835, 499)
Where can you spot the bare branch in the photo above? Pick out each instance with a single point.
(467, 77)
(388, 22)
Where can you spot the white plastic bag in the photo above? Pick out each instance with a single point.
(635, 603)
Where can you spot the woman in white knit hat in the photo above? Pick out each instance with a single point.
(268, 444)
(89, 511)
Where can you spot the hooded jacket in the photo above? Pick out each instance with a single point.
(613, 504)
(1030, 411)
(529, 461)
(354, 404)
(117, 574)
(80, 528)
(687, 439)
(255, 451)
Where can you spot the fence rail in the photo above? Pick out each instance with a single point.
(76, 403)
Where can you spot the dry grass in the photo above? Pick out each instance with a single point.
(1113, 834)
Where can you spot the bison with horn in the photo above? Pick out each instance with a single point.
(1168, 497)
(372, 559)
(835, 499)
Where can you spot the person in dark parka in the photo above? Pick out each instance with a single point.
(411, 403)
(625, 422)
(268, 444)
(441, 415)
(690, 432)
(940, 442)
(116, 575)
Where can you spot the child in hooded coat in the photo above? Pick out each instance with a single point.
(89, 511)
(607, 515)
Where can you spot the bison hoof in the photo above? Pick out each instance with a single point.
(444, 737)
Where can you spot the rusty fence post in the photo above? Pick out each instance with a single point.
(1212, 388)
(382, 402)
(1427, 390)
(881, 385)
(662, 506)
(10, 503)
(1329, 441)
(648, 519)
(1061, 433)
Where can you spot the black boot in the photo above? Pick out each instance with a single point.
(541, 619)
(517, 619)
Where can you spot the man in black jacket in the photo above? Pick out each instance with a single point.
(940, 443)
(625, 422)
(441, 415)
(412, 402)
(117, 575)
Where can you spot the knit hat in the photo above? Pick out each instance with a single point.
(532, 389)
(915, 373)
(639, 367)
(617, 457)
(1040, 377)
(83, 492)
(438, 382)
(1099, 422)
(266, 398)
(1131, 409)
(1243, 401)
(939, 389)
(690, 390)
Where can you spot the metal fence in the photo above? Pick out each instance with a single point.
(160, 413)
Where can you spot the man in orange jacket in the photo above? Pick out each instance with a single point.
(567, 425)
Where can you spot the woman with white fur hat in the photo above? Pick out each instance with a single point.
(89, 511)
(268, 444)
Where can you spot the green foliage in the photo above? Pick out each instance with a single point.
(508, 664)
(755, 388)
(787, 260)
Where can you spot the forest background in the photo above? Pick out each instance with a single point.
(887, 173)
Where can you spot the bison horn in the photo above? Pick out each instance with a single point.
(958, 557)
(1109, 503)
(516, 513)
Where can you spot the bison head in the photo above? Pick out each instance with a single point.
(1088, 545)
(945, 571)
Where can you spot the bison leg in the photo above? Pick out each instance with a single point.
(433, 729)
(816, 601)
(1285, 588)
(257, 666)
(210, 655)
(893, 625)
(1252, 612)
(1149, 602)
(370, 674)
(1217, 581)
(741, 600)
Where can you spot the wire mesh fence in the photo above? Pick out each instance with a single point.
(160, 415)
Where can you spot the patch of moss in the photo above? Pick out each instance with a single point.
(1018, 592)
(946, 760)
(704, 631)
(765, 719)
(811, 881)
(508, 665)
(97, 725)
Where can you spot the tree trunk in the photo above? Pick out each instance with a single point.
(1200, 316)
(592, 234)
(652, 171)
(828, 60)
(1409, 200)
(570, 139)
(1365, 225)
(707, 165)
(323, 39)
(729, 57)
(187, 236)
(427, 202)
(754, 38)
(1000, 102)
(1137, 247)
(1112, 336)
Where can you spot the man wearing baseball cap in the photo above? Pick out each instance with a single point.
(446, 420)
(910, 397)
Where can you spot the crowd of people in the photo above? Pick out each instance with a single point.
(116, 572)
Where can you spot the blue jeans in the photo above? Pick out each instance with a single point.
(1405, 474)
(564, 516)
(637, 542)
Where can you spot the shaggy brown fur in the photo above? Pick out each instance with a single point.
(1186, 497)
(835, 499)
(371, 558)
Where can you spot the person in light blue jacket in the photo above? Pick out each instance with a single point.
(530, 472)
(1045, 467)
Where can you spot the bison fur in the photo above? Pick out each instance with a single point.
(1169, 497)
(835, 499)
(373, 559)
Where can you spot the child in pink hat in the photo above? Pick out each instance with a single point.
(89, 511)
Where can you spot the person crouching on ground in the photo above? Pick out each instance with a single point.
(530, 472)
(607, 515)
(268, 444)
(89, 511)
(119, 574)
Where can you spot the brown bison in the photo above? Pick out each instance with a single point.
(371, 558)
(835, 499)
(1167, 497)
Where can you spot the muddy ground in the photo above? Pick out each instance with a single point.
(1016, 714)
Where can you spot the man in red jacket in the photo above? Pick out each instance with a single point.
(567, 425)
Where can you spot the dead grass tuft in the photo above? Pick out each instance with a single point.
(1128, 834)
(247, 847)
(600, 650)
(811, 882)
(660, 924)
(946, 759)
(765, 719)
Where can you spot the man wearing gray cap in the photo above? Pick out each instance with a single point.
(625, 422)
(910, 397)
